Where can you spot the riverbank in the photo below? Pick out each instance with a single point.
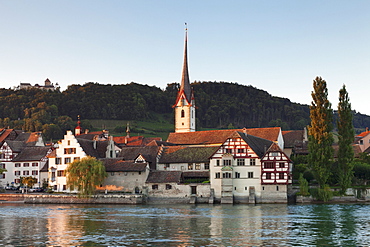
(71, 199)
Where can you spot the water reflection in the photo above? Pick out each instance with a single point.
(184, 225)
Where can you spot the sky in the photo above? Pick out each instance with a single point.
(277, 46)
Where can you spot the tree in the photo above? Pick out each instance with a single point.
(346, 135)
(85, 174)
(320, 136)
(29, 181)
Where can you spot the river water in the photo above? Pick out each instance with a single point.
(185, 225)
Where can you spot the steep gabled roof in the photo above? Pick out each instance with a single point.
(32, 154)
(88, 147)
(16, 146)
(258, 145)
(293, 137)
(177, 154)
(164, 177)
(4, 133)
(119, 165)
(150, 154)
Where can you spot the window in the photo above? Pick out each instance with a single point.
(58, 161)
(241, 150)
(268, 165)
(70, 151)
(26, 164)
(2, 176)
(197, 166)
(217, 175)
(227, 162)
(281, 165)
(17, 181)
(361, 142)
(76, 158)
(240, 162)
(35, 173)
(250, 174)
(190, 166)
(268, 175)
(68, 142)
(17, 165)
(166, 166)
(182, 168)
(2, 165)
(17, 173)
(60, 173)
(237, 174)
(277, 188)
(154, 186)
(252, 162)
(67, 160)
(217, 162)
(274, 154)
(281, 175)
(245, 188)
(35, 164)
(228, 150)
(26, 173)
(168, 186)
(64, 187)
(206, 166)
(226, 175)
(182, 113)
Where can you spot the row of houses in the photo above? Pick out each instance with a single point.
(229, 166)
(222, 164)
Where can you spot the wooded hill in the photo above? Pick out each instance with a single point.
(219, 105)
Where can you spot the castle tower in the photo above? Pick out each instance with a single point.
(185, 103)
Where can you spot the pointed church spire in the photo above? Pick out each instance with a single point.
(185, 82)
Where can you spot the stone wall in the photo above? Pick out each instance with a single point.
(73, 199)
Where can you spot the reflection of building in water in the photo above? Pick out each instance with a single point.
(275, 224)
(247, 225)
(64, 229)
(17, 227)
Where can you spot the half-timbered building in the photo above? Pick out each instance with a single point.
(238, 173)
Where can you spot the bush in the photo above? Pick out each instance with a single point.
(303, 186)
(322, 194)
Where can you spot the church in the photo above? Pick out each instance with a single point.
(241, 165)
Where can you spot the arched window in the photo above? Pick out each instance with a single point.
(182, 113)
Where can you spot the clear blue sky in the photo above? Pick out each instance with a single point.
(277, 46)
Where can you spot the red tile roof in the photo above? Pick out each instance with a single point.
(219, 136)
(363, 134)
(4, 134)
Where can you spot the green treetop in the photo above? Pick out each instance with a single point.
(85, 174)
(346, 135)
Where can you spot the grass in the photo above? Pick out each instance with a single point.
(161, 126)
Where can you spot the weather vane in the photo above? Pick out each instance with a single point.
(186, 26)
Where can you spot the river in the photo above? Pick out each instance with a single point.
(185, 225)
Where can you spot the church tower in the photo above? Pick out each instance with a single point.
(185, 103)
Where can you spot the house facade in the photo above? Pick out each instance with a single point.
(241, 171)
(125, 176)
